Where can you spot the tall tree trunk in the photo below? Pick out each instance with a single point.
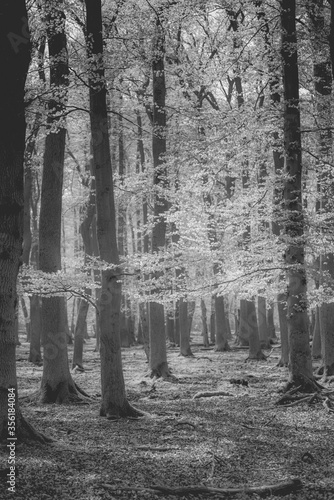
(300, 364)
(323, 97)
(275, 99)
(14, 57)
(205, 334)
(158, 353)
(57, 385)
(185, 349)
(87, 238)
(142, 236)
(221, 329)
(114, 403)
(316, 342)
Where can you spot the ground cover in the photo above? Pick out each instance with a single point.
(238, 438)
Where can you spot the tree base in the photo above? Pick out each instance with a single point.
(117, 412)
(161, 371)
(64, 393)
(259, 356)
(222, 348)
(25, 433)
(282, 363)
(187, 353)
(35, 359)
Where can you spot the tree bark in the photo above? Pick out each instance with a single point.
(114, 403)
(221, 331)
(262, 321)
(323, 97)
(205, 333)
(300, 364)
(158, 354)
(14, 58)
(185, 349)
(57, 385)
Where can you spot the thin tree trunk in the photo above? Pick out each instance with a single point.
(205, 334)
(185, 349)
(221, 331)
(316, 342)
(262, 320)
(283, 326)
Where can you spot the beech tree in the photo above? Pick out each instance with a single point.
(300, 363)
(57, 385)
(114, 402)
(157, 336)
(15, 57)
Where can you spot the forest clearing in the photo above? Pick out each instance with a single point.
(241, 439)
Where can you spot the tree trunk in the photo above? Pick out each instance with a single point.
(185, 349)
(323, 97)
(158, 354)
(316, 342)
(283, 326)
(114, 403)
(221, 343)
(213, 321)
(300, 363)
(262, 320)
(205, 334)
(249, 329)
(14, 57)
(79, 334)
(170, 324)
(57, 385)
(35, 355)
(270, 323)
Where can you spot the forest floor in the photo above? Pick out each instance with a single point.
(236, 440)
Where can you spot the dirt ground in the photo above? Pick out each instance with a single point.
(239, 439)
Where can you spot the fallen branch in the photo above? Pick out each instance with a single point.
(211, 394)
(155, 448)
(185, 423)
(283, 488)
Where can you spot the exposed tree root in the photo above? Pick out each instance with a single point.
(283, 488)
(65, 393)
(282, 363)
(25, 432)
(298, 395)
(211, 394)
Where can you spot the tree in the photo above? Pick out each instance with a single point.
(158, 356)
(114, 402)
(300, 364)
(15, 58)
(57, 385)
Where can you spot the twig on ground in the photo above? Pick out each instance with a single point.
(211, 394)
